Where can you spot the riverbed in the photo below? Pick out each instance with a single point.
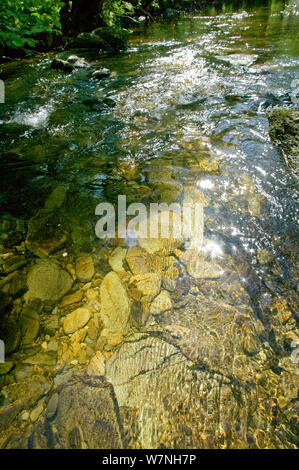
(194, 348)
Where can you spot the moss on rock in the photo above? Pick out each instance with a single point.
(284, 131)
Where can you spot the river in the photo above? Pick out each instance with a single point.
(182, 115)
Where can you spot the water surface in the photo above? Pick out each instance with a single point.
(187, 107)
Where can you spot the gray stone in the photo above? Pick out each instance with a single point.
(60, 64)
(101, 73)
(52, 406)
(78, 62)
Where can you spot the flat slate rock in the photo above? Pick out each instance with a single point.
(86, 418)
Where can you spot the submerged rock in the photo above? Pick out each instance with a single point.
(10, 334)
(201, 269)
(158, 170)
(48, 358)
(117, 258)
(101, 73)
(47, 281)
(239, 59)
(88, 41)
(50, 324)
(138, 260)
(52, 406)
(76, 320)
(130, 171)
(162, 243)
(115, 309)
(161, 303)
(6, 367)
(195, 368)
(168, 192)
(84, 267)
(73, 62)
(45, 232)
(29, 322)
(56, 198)
(254, 199)
(147, 379)
(60, 64)
(86, 416)
(36, 412)
(27, 392)
(113, 38)
(96, 365)
(264, 256)
(147, 285)
(71, 299)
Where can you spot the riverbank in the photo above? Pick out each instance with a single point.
(44, 39)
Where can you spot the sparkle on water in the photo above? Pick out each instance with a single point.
(188, 109)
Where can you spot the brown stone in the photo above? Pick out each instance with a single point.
(71, 299)
(115, 307)
(148, 285)
(84, 267)
(76, 320)
(138, 260)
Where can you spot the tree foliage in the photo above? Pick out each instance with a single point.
(114, 10)
(22, 20)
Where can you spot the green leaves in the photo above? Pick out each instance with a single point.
(21, 20)
(113, 10)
